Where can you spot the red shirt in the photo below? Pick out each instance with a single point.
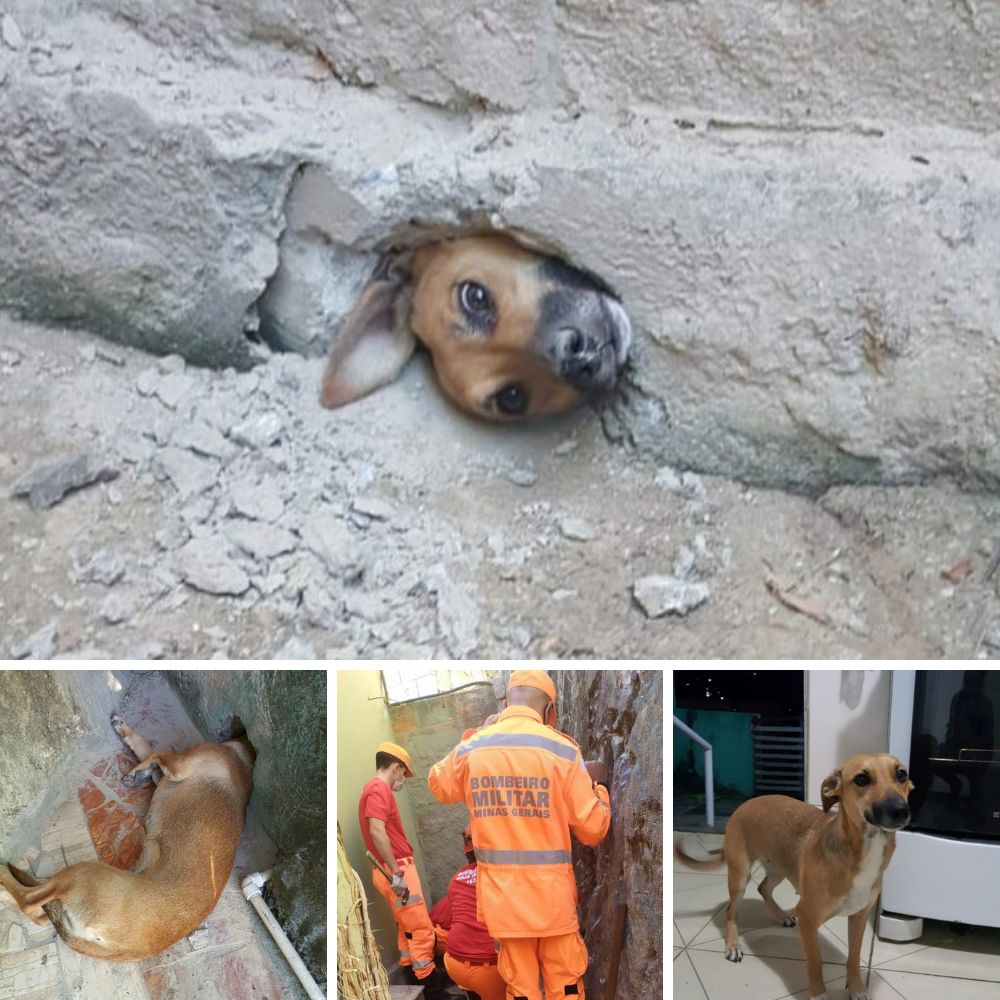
(378, 802)
(468, 939)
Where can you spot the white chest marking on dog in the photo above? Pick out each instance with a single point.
(860, 892)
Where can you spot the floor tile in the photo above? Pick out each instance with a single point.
(836, 989)
(916, 987)
(687, 986)
(753, 978)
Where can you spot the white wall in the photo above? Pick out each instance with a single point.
(847, 712)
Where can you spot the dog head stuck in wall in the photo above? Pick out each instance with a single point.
(512, 333)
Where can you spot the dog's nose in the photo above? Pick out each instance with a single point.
(581, 360)
(892, 812)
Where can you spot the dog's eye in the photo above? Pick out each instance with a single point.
(862, 779)
(474, 300)
(900, 774)
(511, 400)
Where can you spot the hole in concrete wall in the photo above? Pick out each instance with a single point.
(327, 255)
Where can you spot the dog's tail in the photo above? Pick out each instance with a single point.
(698, 865)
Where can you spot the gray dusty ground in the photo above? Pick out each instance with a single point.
(245, 521)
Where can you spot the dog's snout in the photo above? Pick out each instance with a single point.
(891, 813)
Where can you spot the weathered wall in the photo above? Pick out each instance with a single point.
(429, 728)
(363, 721)
(45, 713)
(797, 201)
(284, 712)
(617, 716)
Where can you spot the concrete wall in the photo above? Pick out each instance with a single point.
(617, 716)
(429, 728)
(847, 712)
(45, 715)
(797, 201)
(363, 721)
(284, 712)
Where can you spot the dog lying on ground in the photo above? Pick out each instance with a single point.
(192, 829)
(834, 861)
(512, 333)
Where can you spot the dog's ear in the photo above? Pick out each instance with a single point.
(830, 789)
(374, 342)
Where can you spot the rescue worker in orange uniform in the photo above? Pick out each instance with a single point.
(382, 830)
(527, 789)
(470, 955)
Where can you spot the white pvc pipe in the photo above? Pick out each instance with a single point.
(253, 890)
(709, 769)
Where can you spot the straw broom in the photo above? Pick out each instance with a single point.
(360, 974)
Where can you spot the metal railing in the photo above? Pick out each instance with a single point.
(709, 771)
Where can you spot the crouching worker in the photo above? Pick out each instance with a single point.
(382, 830)
(470, 956)
(527, 789)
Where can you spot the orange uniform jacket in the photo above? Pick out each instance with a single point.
(526, 788)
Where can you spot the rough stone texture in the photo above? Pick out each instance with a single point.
(617, 716)
(284, 713)
(796, 201)
(429, 728)
(292, 892)
(45, 714)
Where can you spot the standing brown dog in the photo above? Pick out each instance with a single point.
(835, 862)
(512, 333)
(192, 829)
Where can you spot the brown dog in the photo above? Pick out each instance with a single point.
(834, 861)
(192, 828)
(512, 333)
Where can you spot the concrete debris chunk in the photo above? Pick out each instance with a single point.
(324, 534)
(173, 534)
(257, 501)
(457, 613)
(202, 439)
(522, 475)
(205, 565)
(373, 507)
(11, 33)
(667, 479)
(660, 595)
(190, 474)
(577, 529)
(104, 567)
(295, 649)
(50, 479)
(116, 609)
(262, 541)
(40, 645)
(258, 432)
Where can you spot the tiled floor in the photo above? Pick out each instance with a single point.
(941, 965)
(229, 957)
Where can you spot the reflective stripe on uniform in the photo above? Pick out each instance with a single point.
(421, 965)
(414, 898)
(517, 741)
(524, 857)
(404, 954)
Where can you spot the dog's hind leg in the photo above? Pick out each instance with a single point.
(770, 882)
(29, 896)
(738, 863)
(130, 737)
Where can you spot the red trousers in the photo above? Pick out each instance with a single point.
(560, 962)
(416, 932)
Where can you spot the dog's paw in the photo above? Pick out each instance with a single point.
(789, 921)
(859, 996)
(734, 954)
(118, 725)
(139, 779)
